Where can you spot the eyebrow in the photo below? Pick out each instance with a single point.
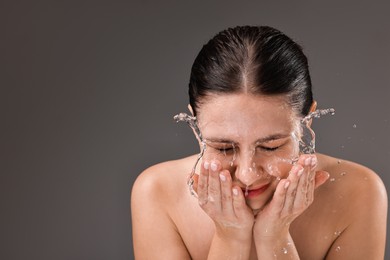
(260, 140)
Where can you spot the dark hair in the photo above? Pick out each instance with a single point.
(253, 59)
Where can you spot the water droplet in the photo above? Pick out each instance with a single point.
(234, 155)
(354, 126)
(338, 248)
(211, 198)
(332, 179)
(338, 161)
(284, 250)
(343, 173)
(337, 233)
(246, 191)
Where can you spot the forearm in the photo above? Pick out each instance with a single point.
(224, 248)
(279, 248)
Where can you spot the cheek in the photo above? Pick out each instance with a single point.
(278, 168)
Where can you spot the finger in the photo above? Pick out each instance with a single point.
(214, 185)
(239, 204)
(195, 180)
(310, 164)
(202, 188)
(320, 178)
(226, 192)
(278, 201)
(295, 177)
(305, 189)
(311, 181)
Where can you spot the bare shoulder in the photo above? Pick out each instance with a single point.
(353, 179)
(160, 181)
(152, 198)
(357, 208)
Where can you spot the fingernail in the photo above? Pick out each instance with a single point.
(235, 191)
(213, 166)
(294, 169)
(286, 184)
(222, 177)
(326, 174)
(206, 165)
(313, 161)
(308, 161)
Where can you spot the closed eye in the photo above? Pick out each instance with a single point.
(225, 150)
(269, 149)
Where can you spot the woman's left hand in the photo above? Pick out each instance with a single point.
(292, 197)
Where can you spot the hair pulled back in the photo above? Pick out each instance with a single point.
(252, 59)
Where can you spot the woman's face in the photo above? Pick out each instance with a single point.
(254, 137)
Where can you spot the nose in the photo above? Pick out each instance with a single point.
(247, 169)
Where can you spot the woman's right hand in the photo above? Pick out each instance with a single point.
(223, 203)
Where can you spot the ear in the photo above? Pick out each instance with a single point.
(192, 113)
(320, 178)
(191, 110)
(313, 108)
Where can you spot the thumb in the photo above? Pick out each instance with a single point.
(320, 178)
(195, 178)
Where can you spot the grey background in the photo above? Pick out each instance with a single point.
(89, 88)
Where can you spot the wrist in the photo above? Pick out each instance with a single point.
(271, 236)
(240, 237)
(280, 247)
(226, 247)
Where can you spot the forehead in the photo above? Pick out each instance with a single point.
(242, 115)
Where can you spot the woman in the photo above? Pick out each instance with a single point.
(249, 87)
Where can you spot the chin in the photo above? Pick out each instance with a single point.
(257, 204)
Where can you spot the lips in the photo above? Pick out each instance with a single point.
(254, 192)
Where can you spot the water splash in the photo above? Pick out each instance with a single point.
(318, 113)
(307, 140)
(193, 123)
